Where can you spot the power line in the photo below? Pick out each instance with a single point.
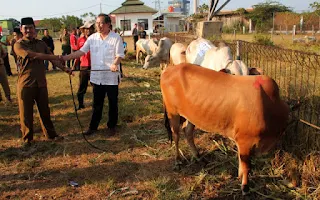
(13, 16)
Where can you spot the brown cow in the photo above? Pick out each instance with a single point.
(247, 109)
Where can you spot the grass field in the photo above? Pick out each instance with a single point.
(138, 161)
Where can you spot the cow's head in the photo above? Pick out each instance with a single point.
(255, 71)
(151, 61)
(237, 67)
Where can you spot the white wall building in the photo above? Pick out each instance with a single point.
(133, 12)
(170, 21)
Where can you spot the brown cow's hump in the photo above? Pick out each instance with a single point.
(259, 82)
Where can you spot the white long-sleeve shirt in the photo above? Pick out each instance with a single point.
(103, 54)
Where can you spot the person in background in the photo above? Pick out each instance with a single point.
(85, 64)
(105, 83)
(135, 36)
(49, 42)
(74, 46)
(3, 77)
(32, 84)
(65, 44)
(142, 33)
(4, 43)
(17, 35)
(79, 32)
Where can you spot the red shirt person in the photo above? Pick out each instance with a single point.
(85, 64)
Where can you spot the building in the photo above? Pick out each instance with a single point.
(133, 12)
(232, 17)
(179, 6)
(169, 22)
(6, 27)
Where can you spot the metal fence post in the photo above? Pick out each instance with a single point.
(238, 50)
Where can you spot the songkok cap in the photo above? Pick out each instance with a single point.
(27, 21)
(87, 25)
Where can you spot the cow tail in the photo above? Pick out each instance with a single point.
(167, 123)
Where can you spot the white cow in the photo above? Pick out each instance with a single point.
(221, 58)
(197, 49)
(178, 53)
(161, 56)
(145, 47)
(202, 52)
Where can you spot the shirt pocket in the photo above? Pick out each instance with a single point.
(94, 49)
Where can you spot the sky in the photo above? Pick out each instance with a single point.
(39, 9)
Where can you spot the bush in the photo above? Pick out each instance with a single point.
(263, 39)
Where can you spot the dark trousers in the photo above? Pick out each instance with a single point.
(66, 50)
(99, 92)
(27, 97)
(135, 39)
(7, 64)
(46, 63)
(84, 77)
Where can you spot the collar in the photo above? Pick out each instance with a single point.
(100, 35)
(28, 40)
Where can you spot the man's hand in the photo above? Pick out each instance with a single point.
(69, 71)
(113, 67)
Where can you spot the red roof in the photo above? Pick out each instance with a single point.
(113, 19)
(36, 22)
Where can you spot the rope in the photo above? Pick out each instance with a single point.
(81, 127)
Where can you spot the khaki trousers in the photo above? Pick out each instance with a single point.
(27, 97)
(4, 82)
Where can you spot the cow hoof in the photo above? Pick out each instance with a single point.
(245, 189)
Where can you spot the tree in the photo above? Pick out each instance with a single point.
(204, 8)
(88, 17)
(15, 22)
(262, 14)
(70, 22)
(51, 23)
(316, 7)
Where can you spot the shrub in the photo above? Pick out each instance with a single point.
(263, 39)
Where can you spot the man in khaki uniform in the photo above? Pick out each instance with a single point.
(32, 85)
(3, 76)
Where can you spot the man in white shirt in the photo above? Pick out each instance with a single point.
(106, 51)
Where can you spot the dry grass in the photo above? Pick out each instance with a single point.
(138, 162)
(280, 40)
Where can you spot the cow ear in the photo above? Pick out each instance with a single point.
(255, 71)
(223, 70)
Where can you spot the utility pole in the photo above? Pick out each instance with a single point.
(100, 8)
(157, 5)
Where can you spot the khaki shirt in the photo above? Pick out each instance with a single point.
(65, 39)
(32, 72)
(1, 54)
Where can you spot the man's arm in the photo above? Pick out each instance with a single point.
(61, 66)
(20, 51)
(74, 55)
(119, 55)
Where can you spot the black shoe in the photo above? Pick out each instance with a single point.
(81, 106)
(111, 131)
(89, 132)
(27, 143)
